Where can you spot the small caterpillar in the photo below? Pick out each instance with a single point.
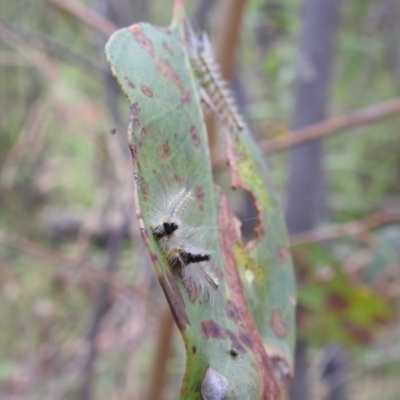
(179, 241)
(167, 218)
(194, 269)
(204, 64)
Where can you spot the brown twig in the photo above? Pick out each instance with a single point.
(30, 140)
(159, 370)
(88, 271)
(102, 303)
(47, 46)
(86, 15)
(178, 10)
(333, 125)
(353, 228)
(28, 52)
(227, 35)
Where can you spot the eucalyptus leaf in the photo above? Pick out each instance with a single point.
(244, 334)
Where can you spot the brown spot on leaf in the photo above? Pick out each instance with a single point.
(381, 320)
(133, 150)
(147, 91)
(145, 190)
(211, 329)
(194, 134)
(129, 82)
(278, 325)
(136, 122)
(199, 193)
(179, 179)
(166, 69)
(165, 148)
(153, 257)
(143, 133)
(359, 334)
(246, 340)
(168, 49)
(282, 253)
(231, 311)
(194, 349)
(143, 41)
(336, 302)
(235, 341)
(135, 109)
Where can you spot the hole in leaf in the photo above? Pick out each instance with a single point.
(242, 204)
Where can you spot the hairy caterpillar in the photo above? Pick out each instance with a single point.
(166, 219)
(209, 74)
(182, 243)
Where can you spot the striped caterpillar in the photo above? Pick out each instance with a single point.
(178, 241)
(208, 72)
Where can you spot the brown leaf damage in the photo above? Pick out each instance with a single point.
(144, 42)
(237, 309)
(175, 300)
(166, 69)
(277, 324)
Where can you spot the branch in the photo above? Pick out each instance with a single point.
(88, 271)
(178, 11)
(28, 52)
(350, 229)
(333, 125)
(227, 35)
(51, 47)
(156, 382)
(102, 303)
(86, 15)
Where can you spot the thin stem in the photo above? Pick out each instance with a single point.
(333, 125)
(86, 15)
(178, 11)
(159, 371)
(353, 228)
(87, 271)
(227, 35)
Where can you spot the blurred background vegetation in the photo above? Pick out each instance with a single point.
(81, 313)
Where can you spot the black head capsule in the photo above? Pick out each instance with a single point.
(166, 229)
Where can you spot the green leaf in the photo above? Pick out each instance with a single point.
(335, 308)
(240, 344)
